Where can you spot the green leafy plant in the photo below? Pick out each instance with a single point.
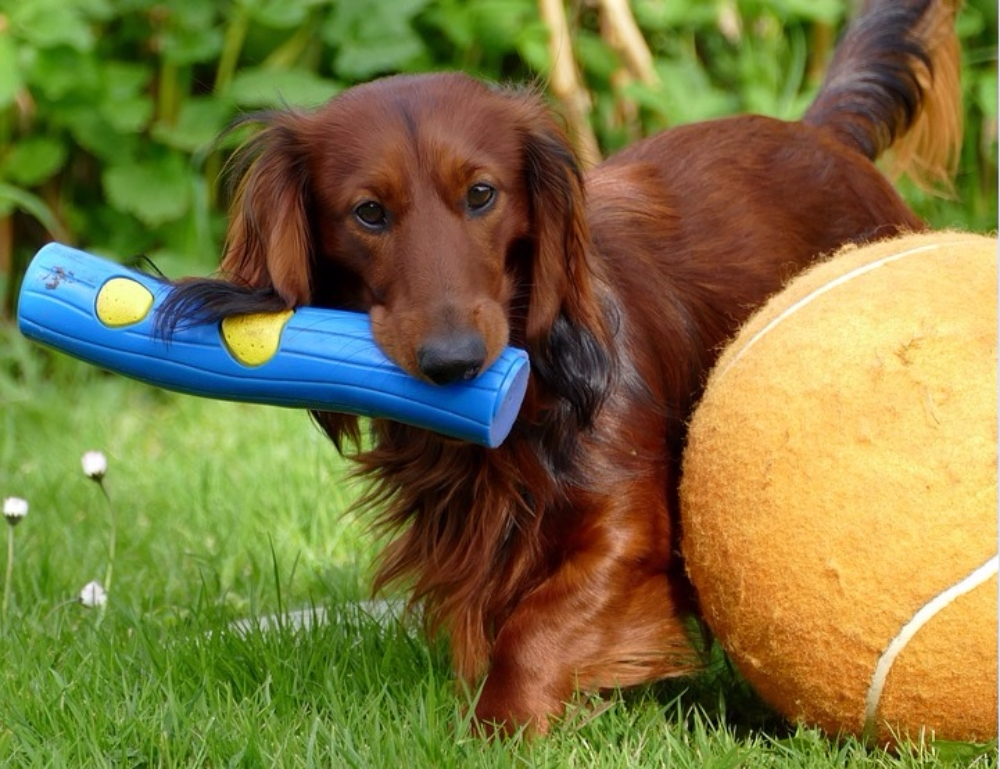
(110, 111)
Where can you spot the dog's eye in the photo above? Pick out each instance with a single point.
(480, 196)
(371, 214)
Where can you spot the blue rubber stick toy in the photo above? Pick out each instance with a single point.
(104, 313)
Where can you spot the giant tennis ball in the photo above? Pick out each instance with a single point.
(839, 493)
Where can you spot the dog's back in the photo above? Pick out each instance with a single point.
(724, 212)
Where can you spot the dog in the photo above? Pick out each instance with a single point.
(455, 214)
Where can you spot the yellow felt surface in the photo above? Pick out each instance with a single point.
(841, 471)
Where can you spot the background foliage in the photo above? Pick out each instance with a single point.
(109, 108)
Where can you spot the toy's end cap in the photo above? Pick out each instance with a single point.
(513, 389)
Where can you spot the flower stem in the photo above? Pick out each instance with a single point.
(111, 539)
(10, 570)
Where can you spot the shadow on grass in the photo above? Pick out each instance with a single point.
(719, 695)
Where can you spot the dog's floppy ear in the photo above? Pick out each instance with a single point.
(268, 241)
(560, 279)
(565, 326)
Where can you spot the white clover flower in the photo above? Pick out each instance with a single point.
(93, 595)
(14, 509)
(95, 465)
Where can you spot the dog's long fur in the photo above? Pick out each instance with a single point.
(551, 562)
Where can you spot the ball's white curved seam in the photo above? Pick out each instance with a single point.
(924, 615)
(804, 301)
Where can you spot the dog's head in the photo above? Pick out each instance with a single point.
(449, 210)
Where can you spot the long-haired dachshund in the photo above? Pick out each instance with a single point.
(455, 214)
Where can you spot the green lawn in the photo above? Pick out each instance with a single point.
(227, 512)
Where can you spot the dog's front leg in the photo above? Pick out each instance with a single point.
(609, 616)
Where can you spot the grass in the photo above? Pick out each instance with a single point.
(227, 512)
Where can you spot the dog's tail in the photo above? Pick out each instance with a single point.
(894, 84)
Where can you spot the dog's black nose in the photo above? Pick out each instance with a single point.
(452, 358)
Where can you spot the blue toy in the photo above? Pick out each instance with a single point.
(104, 313)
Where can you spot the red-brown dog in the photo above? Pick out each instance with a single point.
(454, 213)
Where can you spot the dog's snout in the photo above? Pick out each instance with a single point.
(452, 358)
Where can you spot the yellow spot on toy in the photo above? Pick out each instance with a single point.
(839, 496)
(253, 339)
(123, 302)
